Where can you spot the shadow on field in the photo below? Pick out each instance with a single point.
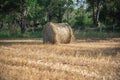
(111, 51)
(27, 43)
(98, 52)
(21, 41)
(98, 39)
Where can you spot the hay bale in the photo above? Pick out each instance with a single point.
(56, 33)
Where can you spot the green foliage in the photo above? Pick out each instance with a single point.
(109, 12)
(33, 9)
(55, 9)
(15, 12)
(80, 19)
(8, 32)
(8, 6)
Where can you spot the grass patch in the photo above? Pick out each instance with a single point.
(4, 35)
(96, 35)
(80, 35)
(19, 35)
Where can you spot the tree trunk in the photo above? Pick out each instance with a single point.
(59, 14)
(97, 16)
(67, 12)
(96, 12)
(1, 25)
(23, 24)
(49, 18)
(93, 13)
(59, 19)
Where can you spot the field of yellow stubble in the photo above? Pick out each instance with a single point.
(82, 60)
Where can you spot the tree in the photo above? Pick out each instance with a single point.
(110, 14)
(55, 9)
(20, 10)
(96, 6)
(10, 9)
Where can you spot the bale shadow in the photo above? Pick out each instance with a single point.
(111, 51)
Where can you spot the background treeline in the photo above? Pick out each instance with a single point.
(27, 17)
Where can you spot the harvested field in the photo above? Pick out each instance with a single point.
(88, 59)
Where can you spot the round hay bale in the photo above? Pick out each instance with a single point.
(56, 33)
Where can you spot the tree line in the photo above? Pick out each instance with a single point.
(80, 14)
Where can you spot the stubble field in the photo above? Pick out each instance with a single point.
(29, 59)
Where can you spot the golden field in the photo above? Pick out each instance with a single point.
(29, 59)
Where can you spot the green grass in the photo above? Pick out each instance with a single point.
(4, 35)
(96, 35)
(19, 35)
(80, 35)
